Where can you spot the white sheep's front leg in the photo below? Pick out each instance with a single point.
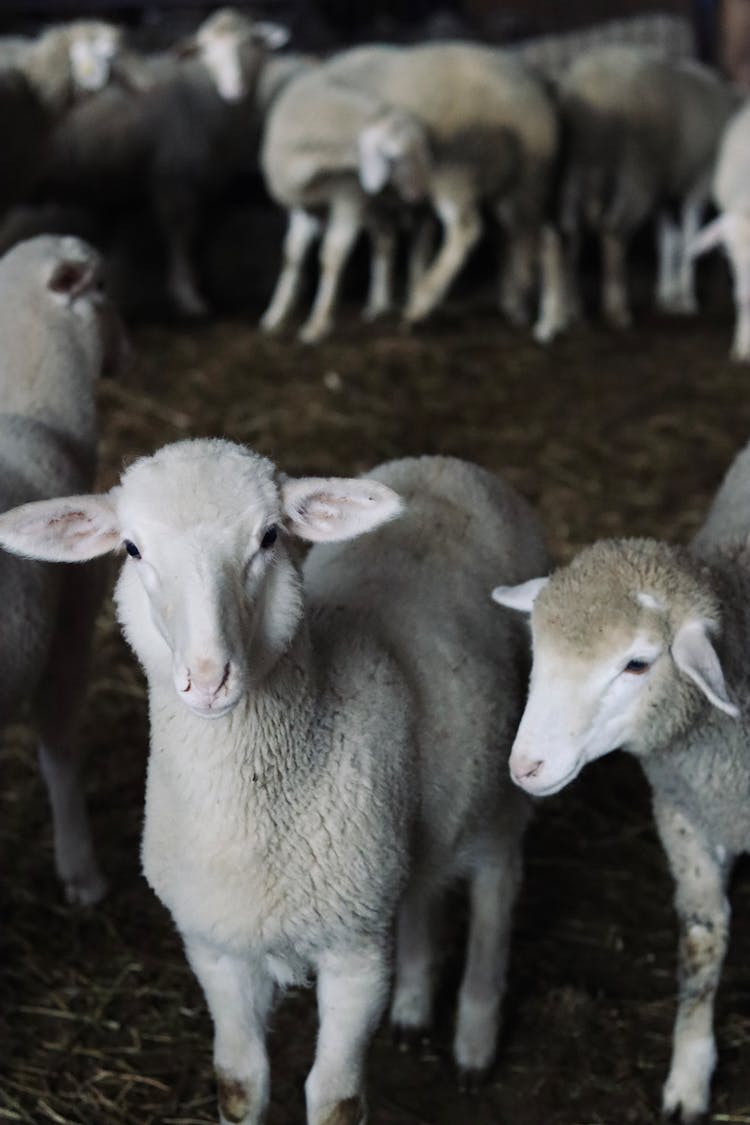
(421, 252)
(382, 268)
(703, 911)
(343, 228)
(614, 280)
(493, 890)
(239, 995)
(302, 230)
(352, 992)
(462, 227)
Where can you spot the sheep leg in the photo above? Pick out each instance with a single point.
(668, 280)
(382, 268)
(352, 992)
(691, 216)
(302, 230)
(703, 913)
(239, 995)
(614, 280)
(421, 253)
(556, 304)
(56, 714)
(462, 226)
(411, 1007)
(517, 277)
(739, 260)
(493, 890)
(342, 231)
(177, 207)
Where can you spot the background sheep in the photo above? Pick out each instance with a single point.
(641, 645)
(337, 738)
(40, 79)
(319, 138)
(732, 228)
(641, 135)
(489, 136)
(58, 334)
(174, 129)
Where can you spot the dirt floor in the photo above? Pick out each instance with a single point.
(101, 1019)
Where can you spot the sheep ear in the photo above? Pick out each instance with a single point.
(328, 510)
(374, 165)
(272, 35)
(520, 597)
(695, 656)
(69, 529)
(72, 276)
(709, 238)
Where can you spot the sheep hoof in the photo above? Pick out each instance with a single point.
(313, 333)
(85, 889)
(350, 1111)
(376, 312)
(677, 304)
(471, 1079)
(408, 1037)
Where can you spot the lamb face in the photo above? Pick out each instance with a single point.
(618, 638)
(223, 42)
(93, 47)
(209, 597)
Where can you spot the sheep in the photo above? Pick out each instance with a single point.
(318, 139)
(641, 135)
(40, 79)
(173, 128)
(58, 334)
(322, 746)
(642, 645)
(732, 228)
(480, 127)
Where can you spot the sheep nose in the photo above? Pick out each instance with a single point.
(205, 680)
(524, 768)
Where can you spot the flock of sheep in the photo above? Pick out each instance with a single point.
(331, 734)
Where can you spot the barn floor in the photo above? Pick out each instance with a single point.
(102, 1023)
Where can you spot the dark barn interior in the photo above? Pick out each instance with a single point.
(607, 433)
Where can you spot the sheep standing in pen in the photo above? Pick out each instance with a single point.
(322, 745)
(731, 230)
(318, 139)
(40, 80)
(481, 130)
(57, 333)
(641, 137)
(175, 127)
(640, 645)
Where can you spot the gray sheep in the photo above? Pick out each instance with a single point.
(641, 645)
(174, 128)
(328, 744)
(58, 333)
(641, 135)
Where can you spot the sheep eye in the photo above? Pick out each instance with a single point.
(132, 549)
(270, 537)
(637, 667)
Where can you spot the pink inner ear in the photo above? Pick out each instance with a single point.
(72, 277)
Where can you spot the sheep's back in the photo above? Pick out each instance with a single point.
(423, 583)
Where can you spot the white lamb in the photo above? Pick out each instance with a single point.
(643, 646)
(322, 750)
(57, 335)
